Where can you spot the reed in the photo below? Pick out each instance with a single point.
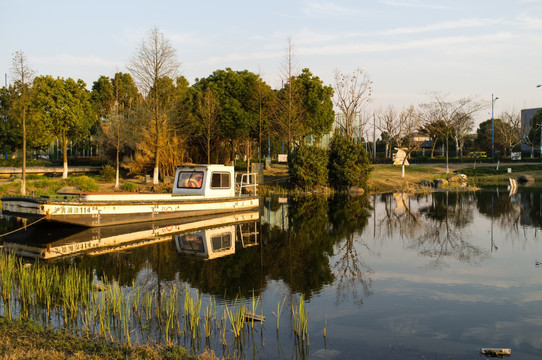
(236, 317)
(279, 310)
(69, 297)
(208, 316)
(300, 319)
(255, 302)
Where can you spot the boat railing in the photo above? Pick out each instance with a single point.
(249, 183)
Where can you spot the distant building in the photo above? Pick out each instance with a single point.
(526, 116)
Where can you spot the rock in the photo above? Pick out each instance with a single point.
(427, 183)
(459, 178)
(355, 191)
(440, 183)
(525, 179)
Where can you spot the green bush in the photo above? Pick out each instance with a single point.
(308, 167)
(108, 173)
(129, 186)
(348, 163)
(45, 186)
(84, 183)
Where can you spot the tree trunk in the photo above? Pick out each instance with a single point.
(23, 182)
(208, 149)
(64, 142)
(447, 167)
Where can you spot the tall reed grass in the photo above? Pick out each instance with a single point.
(74, 299)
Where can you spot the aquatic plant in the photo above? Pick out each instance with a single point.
(279, 310)
(300, 319)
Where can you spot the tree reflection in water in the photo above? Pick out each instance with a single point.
(348, 218)
(443, 235)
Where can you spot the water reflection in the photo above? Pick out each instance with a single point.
(433, 275)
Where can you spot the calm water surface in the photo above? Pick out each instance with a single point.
(391, 276)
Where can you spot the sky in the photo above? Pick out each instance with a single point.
(409, 48)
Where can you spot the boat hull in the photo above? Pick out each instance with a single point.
(104, 213)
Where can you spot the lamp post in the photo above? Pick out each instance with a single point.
(540, 85)
(493, 100)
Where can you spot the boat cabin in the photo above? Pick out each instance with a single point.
(205, 180)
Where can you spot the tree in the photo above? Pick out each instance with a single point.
(308, 166)
(244, 103)
(535, 134)
(452, 114)
(348, 164)
(64, 108)
(24, 77)
(115, 100)
(288, 104)
(265, 99)
(510, 129)
(352, 95)
(316, 100)
(154, 60)
(388, 123)
(10, 129)
(410, 124)
(433, 130)
(207, 111)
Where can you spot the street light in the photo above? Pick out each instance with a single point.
(540, 85)
(493, 100)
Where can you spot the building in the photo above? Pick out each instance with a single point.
(526, 116)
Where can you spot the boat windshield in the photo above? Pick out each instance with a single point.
(190, 179)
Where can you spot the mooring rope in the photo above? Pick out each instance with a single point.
(24, 227)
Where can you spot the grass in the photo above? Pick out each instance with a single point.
(387, 178)
(28, 340)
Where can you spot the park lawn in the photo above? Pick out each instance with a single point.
(386, 178)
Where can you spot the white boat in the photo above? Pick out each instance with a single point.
(197, 190)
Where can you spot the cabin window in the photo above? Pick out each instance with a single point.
(221, 242)
(190, 179)
(192, 243)
(220, 180)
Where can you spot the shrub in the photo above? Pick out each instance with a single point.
(84, 183)
(308, 166)
(108, 173)
(129, 186)
(348, 163)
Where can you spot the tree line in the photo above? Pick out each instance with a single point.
(150, 119)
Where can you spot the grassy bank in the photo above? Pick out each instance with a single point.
(26, 340)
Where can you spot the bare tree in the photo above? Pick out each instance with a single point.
(410, 123)
(352, 95)
(452, 114)
(155, 59)
(389, 124)
(289, 109)
(510, 129)
(23, 78)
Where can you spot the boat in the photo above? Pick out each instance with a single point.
(197, 190)
(47, 241)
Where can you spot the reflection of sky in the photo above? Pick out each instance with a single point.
(455, 306)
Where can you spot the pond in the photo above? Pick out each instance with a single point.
(392, 276)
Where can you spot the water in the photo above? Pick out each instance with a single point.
(391, 276)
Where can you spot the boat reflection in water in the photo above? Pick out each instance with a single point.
(208, 236)
(217, 242)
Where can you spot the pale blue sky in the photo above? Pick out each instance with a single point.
(408, 47)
